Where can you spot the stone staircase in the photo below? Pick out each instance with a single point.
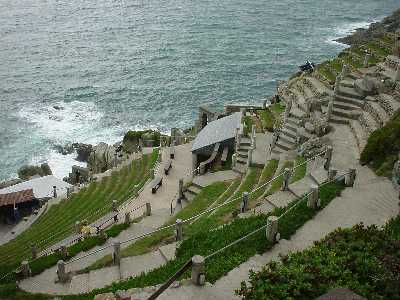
(242, 155)
(389, 66)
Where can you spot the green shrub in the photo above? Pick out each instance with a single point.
(363, 259)
(383, 147)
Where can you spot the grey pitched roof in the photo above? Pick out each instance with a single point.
(217, 131)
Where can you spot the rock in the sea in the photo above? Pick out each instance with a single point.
(83, 151)
(64, 150)
(101, 158)
(10, 182)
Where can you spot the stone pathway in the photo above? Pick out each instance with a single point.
(372, 200)
(210, 178)
(261, 153)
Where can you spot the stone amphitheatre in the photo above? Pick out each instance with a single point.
(189, 216)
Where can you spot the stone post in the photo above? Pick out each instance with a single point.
(337, 81)
(194, 162)
(148, 209)
(114, 205)
(152, 174)
(249, 157)
(350, 177)
(272, 229)
(178, 230)
(61, 274)
(127, 218)
(245, 202)
(397, 76)
(25, 269)
(345, 71)
(233, 160)
(313, 197)
(117, 253)
(286, 178)
(328, 157)
(34, 251)
(329, 110)
(69, 191)
(332, 174)
(253, 136)
(78, 227)
(64, 252)
(54, 191)
(366, 60)
(180, 188)
(198, 270)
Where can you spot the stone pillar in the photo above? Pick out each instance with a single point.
(253, 136)
(245, 202)
(198, 270)
(332, 174)
(127, 218)
(286, 178)
(117, 253)
(397, 76)
(313, 197)
(25, 269)
(180, 188)
(249, 157)
(345, 71)
(148, 209)
(178, 230)
(64, 252)
(350, 177)
(61, 274)
(34, 251)
(337, 81)
(329, 110)
(366, 60)
(54, 191)
(233, 160)
(272, 229)
(328, 157)
(114, 205)
(194, 162)
(78, 227)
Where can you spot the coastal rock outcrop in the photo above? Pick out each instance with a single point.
(26, 172)
(101, 158)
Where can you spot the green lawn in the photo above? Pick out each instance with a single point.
(299, 172)
(267, 174)
(88, 204)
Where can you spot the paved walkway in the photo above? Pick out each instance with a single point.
(160, 203)
(372, 200)
(210, 178)
(261, 153)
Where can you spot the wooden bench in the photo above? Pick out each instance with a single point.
(167, 166)
(224, 155)
(157, 182)
(172, 152)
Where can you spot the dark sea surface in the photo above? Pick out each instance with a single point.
(86, 71)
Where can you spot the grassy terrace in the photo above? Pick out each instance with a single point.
(270, 115)
(89, 204)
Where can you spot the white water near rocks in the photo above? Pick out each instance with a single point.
(87, 71)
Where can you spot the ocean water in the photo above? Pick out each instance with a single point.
(87, 71)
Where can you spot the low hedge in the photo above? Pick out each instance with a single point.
(363, 259)
(383, 147)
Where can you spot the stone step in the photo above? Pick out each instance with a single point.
(345, 106)
(307, 92)
(189, 197)
(240, 169)
(265, 208)
(369, 122)
(319, 86)
(245, 141)
(339, 120)
(299, 98)
(289, 132)
(103, 277)
(168, 251)
(241, 160)
(319, 175)
(353, 101)
(284, 145)
(349, 92)
(195, 184)
(294, 122)
(245, 147)
(377, 111)
(388, 103)
(193, 190)
(288, 139)
(242, 153)
(359, 134)
(347, 83)
(352, 114)
(302, 186)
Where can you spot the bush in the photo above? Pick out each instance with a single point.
(365, 260)
(25, 172)
(383, 147)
